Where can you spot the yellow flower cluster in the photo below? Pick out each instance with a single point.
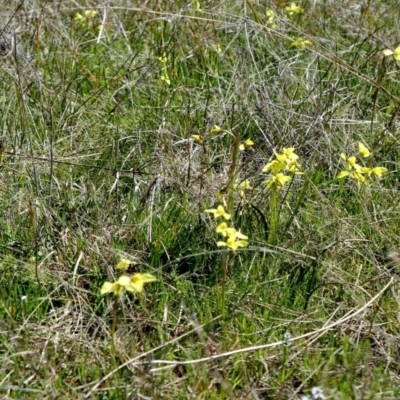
(300, 43)
(270, 18)
(201, 139)
(293, 9)
(165, 78)
(287, 161)
(164, 75)
(245, 144)
(132, 283)
(233, 238)
(219, 212)
(198, 138)
(87, 16)
(358, 172)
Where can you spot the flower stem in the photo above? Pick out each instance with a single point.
(274, 217)
(114, 324)
(224, 264)
(232, 168)
(231, 181)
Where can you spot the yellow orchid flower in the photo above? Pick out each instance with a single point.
(90, 13)
(293, 9)
(165, 78)
(274, 166)
(235, 235)
(218, 212)
(395, 53)
(278, 180)
(289, 158)
(378, 171)
(233, 243)
(198, 138)
(244, 185)
(353, 170)
(300, 43)
(225, 230)
(123, 264)
(246, 143)
(123, 283)
(138, 280)
(129, 283)
(215, 129)
(79, 17)
(270, 18)
(363, 150)
(163, 59)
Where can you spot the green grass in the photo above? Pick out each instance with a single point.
(98, 162)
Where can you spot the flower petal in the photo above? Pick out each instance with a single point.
(106, 288)
(363, 150)
(342, 174)
(123, 264)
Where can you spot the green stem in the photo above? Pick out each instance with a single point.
(206, 160)
(224, 265)
(34, 229)
(274, 217)
(284, 361)
(232, 169)
(114, 324)
(231, 181)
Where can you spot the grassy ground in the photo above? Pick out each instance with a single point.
(98, 162)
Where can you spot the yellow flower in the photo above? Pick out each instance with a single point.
(138, 280)
(199, 139)
(163, 59)
(123, 264)
(216, 129)
(353, 170)
(234, 239)
(350, 162)
(301, 43)
(123, 283)
(277, 180)
(289, 159)
(357, 175)
(246, 143)
(165, 78)
(131, 284)
(234, 235)
(90, 13)
(293, 9)
(274, 166)
(197, 4)
(377, 171)
(395, 53)
(225, 230)
(218, 212)
(78, 17)
(270, 18)
(363, 150)
(270, 14)
(245, 185)
(233, 244)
